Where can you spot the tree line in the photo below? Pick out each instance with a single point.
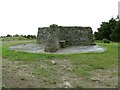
(109, 30)
(16, 35)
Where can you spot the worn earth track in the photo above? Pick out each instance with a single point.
(21, 75)
(51, 74)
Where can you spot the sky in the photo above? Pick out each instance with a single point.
(25, 16)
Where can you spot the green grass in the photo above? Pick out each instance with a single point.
(93, 61)
(83, 63)
(97, 60)
(25, 55)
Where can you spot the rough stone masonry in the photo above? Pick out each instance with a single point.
(56, 37)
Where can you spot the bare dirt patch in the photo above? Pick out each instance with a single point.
(53, 74)
(41, 74)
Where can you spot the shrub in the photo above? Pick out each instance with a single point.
(106, 40)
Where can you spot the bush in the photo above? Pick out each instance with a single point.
(106, 40)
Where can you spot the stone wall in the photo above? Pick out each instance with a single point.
(56, 37)
(52, 41)
(42, 35)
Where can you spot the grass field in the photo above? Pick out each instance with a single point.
(84, 70)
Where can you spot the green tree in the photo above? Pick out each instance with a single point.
(112, 23)
(106, 29)
(8, 35)
(16, 35)
(116, 32)
(96, 36)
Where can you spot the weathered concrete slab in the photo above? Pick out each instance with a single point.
(39, 48)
